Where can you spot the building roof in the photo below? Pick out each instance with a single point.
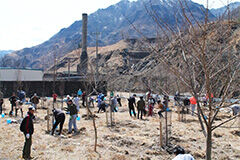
(1, 68)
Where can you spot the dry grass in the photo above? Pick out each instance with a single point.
(129, 139)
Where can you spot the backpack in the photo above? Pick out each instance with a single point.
(21, 95)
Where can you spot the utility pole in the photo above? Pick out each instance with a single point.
(54, 82)
(68, 69)
(54, 72)
(97, 56)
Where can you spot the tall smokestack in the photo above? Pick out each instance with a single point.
(83, 66)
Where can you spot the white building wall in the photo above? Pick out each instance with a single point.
(20, 75)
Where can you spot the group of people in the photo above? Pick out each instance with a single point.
(27, 126)
(146, 107)
(17, 100)
(102, 102)
(187, 103)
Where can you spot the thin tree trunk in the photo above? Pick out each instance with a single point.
(209, 144)
(160, 129)
(200, 121)
(95, 130)
(86, 101)
(106, 116)
(62, 103)
(166, 129)
(111, 117)
(94, 126)
(110, 107)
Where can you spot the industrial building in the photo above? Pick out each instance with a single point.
(16, 74)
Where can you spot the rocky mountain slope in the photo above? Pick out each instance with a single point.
(113, 23)
(130, 64)
(4, 52)
(224, 10)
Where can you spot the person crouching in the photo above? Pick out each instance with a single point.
(59, 119)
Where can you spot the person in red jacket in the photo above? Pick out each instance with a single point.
(54, 97)
(193, 103)
(27, 128)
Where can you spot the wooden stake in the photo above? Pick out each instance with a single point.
(87, 107)
(161, 136)
(62, 103)
(114, 122)
(53, 116)
(94, 126)
(110, 107)
(48, 119)
(239, 122)
(178, 110)
(106, 117)
(166, 120)
(42, 103)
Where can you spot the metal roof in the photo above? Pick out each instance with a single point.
(21, 68)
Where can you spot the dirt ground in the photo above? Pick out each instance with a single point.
(130, 138)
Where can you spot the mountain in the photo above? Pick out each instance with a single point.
(113, 23)
(224, 10)
(130, 65)
(4, 52)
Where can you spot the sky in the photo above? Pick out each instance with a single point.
(26, 23)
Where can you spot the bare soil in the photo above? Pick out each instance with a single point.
(130, 138)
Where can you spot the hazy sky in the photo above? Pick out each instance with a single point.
(25, 23)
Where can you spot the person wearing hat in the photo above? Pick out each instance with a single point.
(27, 128)
(72, 108)
(59, 119)
(140, 107)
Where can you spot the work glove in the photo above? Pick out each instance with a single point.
(27, 135)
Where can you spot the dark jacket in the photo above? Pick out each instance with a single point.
(72, 108)
(58, 114)
(13, 100)
(35, 99)
(186, 102)
(27, 124)
(140, 104)
(131, 101)
(1, 102)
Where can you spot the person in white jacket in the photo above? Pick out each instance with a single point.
(184, 157)
(76, 101)
(180, 152)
